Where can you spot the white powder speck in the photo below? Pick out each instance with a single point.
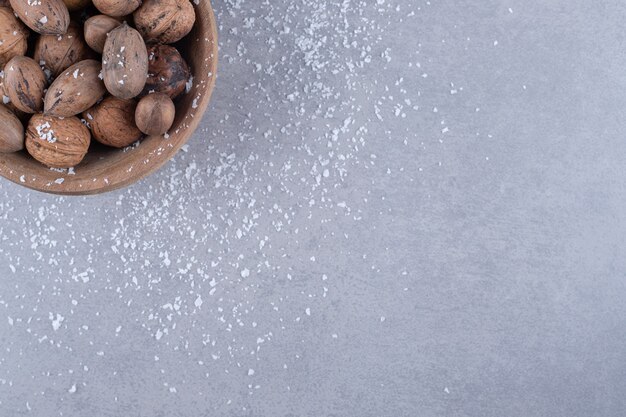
(56, 319)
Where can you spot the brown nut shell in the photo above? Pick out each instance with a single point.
(56, 53)
(13, 36)
(117, 8)
(47, 17)
(76, 90)
(57, 142)
(24, 84)
(96, 30)
(165, 21)
(125, 62)
(155, 114)
(6, 101)
(167, 71)
(12, 131)
(112, 122)
(3, 94)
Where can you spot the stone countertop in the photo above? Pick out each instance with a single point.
(391, 208)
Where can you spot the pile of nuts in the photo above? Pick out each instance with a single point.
(94, 68)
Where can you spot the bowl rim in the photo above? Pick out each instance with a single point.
(157, 158)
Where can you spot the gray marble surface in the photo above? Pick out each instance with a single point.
(392, 208)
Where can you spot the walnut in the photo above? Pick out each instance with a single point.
(56, 53)
(112, 122)
(165, 21)
(24, 84)
(6, 101)
(13, 36)
(57, 142)
(96, 30)
(76, 90)
(49, 17)
(116, 8)
(125, 62)
(155, 114)
(167, 71)
(12, 132)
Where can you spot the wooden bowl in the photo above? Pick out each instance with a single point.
(106, 169)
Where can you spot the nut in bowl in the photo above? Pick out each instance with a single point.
(106, 167)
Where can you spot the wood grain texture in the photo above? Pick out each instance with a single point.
(106, 169)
